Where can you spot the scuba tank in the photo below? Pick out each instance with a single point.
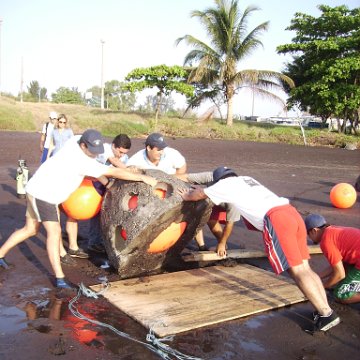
(22, 176)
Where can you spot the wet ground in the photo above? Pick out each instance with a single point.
(36, 323)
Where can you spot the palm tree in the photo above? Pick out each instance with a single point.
(230, 41)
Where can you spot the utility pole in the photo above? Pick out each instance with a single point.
(22, 79)
(0, 56)
(102, 73)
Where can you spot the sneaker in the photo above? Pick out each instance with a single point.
(98, 248)
(67, 260)
(62, 283)
(4, 264)
(79, 253)
(315, 314)
(324, 323)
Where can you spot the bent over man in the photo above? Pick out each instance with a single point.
(283, 230)
(341, 247)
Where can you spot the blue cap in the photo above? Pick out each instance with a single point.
(156, 140)
(222, 171)
(314, 221)
(93, 140)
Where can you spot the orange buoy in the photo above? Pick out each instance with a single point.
(123, 233)
(133, 202)
(343, 196)
(84, 203)
(167, 238)
(160, 193)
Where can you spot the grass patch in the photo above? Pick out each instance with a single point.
(31, 116)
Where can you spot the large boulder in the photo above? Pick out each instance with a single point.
(144, 228)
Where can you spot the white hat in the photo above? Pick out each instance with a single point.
(53, 115)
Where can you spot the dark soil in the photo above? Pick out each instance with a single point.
(35, 322)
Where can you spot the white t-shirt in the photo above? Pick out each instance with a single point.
(170, 161)
(47, 130)
(62, 173)
(252, 199)
(108, 153)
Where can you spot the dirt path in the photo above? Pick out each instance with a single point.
(34, 325)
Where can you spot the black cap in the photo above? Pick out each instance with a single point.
(221, 172)
(156, 140)
(93, 140)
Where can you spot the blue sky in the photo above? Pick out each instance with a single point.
(59, 42)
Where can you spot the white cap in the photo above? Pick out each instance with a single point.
(53, 115)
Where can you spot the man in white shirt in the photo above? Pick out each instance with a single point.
(158, 155)
(46, 132)
(283, 230)
(215, 221)
(115, 154)
(52, 184)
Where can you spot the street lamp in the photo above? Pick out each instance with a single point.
(102, 73)
(0, 55)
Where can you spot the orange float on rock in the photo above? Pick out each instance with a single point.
(343, 195)
(84, 203)
(167, 238)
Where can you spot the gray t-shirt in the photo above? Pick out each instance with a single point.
(206, 178)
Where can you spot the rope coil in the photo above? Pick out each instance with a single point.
(154, 344)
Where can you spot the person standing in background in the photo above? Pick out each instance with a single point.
(45, 138)
(60, 134)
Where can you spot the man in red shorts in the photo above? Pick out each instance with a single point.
(283, 230)
(341, 247)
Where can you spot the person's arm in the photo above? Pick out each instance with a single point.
(114, 161)
(221, 247)
(124, 174)
(182, 177)
(338, 273)
(192, 194)
(51, 147)
(181, 170)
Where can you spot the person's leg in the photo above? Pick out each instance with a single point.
(72, 231)
(348, 290)
(304, 278)
(95, 236)
(53, 235)
(216, 228)
(199, 238)
(30, 229)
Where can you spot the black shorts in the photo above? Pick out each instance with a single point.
(41, 210)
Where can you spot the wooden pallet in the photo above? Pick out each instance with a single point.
(234, 254)
(181, 301)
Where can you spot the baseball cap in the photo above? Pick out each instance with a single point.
(93, 140)
(156, 140)
(221, 172)
(314, 221)
(53, 115)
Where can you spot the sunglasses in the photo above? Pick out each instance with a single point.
(62, 122)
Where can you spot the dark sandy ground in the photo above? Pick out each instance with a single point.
(36, 325)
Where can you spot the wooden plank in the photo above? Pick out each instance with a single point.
(181, 301)
(234, 254)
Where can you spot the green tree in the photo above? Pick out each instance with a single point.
(35, 92)
(118, 97)
(65, 95)
(217, 63)
(164, 78)
(326, 64)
